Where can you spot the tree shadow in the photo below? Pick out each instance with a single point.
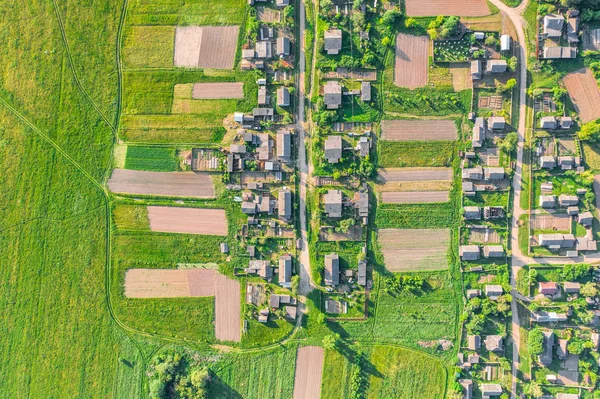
(219, 389)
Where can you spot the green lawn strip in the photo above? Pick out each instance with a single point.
(412, 216)
(156, 159)
(415, 153)
(131, 217)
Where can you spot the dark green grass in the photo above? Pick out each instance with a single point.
(415, 153)
(413, 216)
(156, 159)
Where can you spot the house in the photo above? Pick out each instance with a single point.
(473, 342)
(504, 42)
(333, 41)
(469, 252)
(573, 30)
(474, 293)
(362, 204)
(261, 267)
(496, 123)
(493, 173)
(249, 208)
(542, 316)
(224, 247)
(586, 218)
(283, 97)
(284, 145)
(561, 395)
(586, 244)
(363, 146)
(467, 388)
(475, 173)
(472, 213)
(557, 241)
(264, 50)
(568, 200)
(493, 212)
(559, 52)
(547, 201)
(566, 122)
(545, 358)
(284, 205)
(571, 288)
(548, 123)
(248, 53)
(467, 188)
(566, 162)
(561, 349)
(493, 291)
(282, 3)
(547, 162)
(476, 70)
(478, 133)
(333, 203)
(493, 251)
(362, 273)
(496, 66)
(333, 149)
(553, 25)
(265, 33)
(290, 312)
(263, 316)
(548, 288)
(265, 148)
(547, 187)
(263, 98)
(365, 91)
(488, 390)
(283, 46)
(285, 270)
(332, 94)
(265, 114)
(237, 148)
(332, 269)
(493, 343)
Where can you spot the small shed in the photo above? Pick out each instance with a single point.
(365, 91)
(586, 218)
(472, 213)
(496, 123)
(568, 200)
(571, 287)
(493, 291)
(505, 42)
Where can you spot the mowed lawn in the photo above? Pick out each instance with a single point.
(59, 340)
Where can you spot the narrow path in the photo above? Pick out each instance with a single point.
(515, 16)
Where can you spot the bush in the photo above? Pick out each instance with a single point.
(573, 272)
(590, 132)
(535, 341)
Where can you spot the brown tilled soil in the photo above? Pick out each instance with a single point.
(414, 197)
(556, 222)
(461, 76)
(585, 94)
(414, 174)
(433, 8)
(215, 91)
(205, 47)
(227, 309)
(418, 130)
(176, 184)
(169, 283)
(414, 249)
(309, 372)
(412, 59)
(187, 220)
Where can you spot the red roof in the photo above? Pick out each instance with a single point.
(548, 287)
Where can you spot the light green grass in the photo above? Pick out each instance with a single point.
(415, 153)
(131, 217)
(149, 46)
(336, 375)
(412, 216)
(186, 12)
(156, 159)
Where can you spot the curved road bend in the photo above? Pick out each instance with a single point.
(517, 258)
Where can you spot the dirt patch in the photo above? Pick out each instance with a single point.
(265, 14)
(433, 8)
(414, 197)
(175, 184)
(309, 372)
(414, 249)
(412, 61)
(591, 39)
(418, 130)
(414, 174)
(227, 309)
(205, 47)
(461, 76)
(213, 91)
(187, 220)
(554, 222)
(486, 278)
(491, 102)
(585, 94)
(169, 283)
(483, 235)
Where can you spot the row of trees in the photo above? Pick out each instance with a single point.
(172, 377)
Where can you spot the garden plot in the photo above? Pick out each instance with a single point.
(483, 235)
(309, 372)
(585, 94)
(265, 14)
(205, 47)
(490, 102)
(412, 59)
(227, 309)
(433, 8)
(187, 220)
(169, 283)
(215, 91)
(414, 197)
(551, 222)
(176, 184)
(414, 179)
(418, 130)
(414, 249)
(591, 39)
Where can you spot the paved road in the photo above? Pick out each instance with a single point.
(517, 257)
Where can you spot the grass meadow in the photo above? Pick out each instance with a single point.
(399, 154)
(156, 159)
(186, 12)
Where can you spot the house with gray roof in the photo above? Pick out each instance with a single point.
(562, 395)
(263, 98)
(476, 70)
(558, 52)
(283, 46)
(249, 208)
(332, 94)
(264, 50)
(362, 273)
(363, 146)
(283, 97)
(473, 342)
(545, 358)
(496, 123)
(472, 213)
(365, 91)
(478, 133)
(333, 149)
(284, 205)
(489, 390)
(474, 173)
(553, 25)
(547, 162)
(496, 66)
(557, 240)
(284, 145)
(493, 291)
(332, 201)
(568, 200)
(548, 123)
(285, 271)
(332, 269)
(586, 218)
(333, 41)
(566, 122)
(282, 3)
(469, 252)
(566, 162)
(547, 201)
(493, 251)
(467, 388)
(494, 343)
(495, 173)
(541, 316)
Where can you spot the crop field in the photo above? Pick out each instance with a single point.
(170, 184)
(418, 130)
(228, 324)
(212, 91)
(131, 217)
(205, 47)
(337, 372)
(585, 94)
(168, 219)
(169, 283)
(394, 154)
(392, 175)
(433, 8)
(415, 215)
(412, 61)
(186, 12)
(309, 371)
(157, 159)
(172, 128)
(414, 249)
(148, 46)
(551, 222)
(414, 197)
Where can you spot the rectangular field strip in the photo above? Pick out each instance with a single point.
(414, 197)
(220, 90)
(460, 8)
(419, 130)
(414, 249)
(309, 372)
(585, 94)
(412, 59)
(187, 220)
(173, 184)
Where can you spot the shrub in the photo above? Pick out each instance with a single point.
(535, 341)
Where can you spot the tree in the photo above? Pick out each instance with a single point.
(450, 26)
(509, 144)
(476, 324)
(389, 18)
(589, 290)
(158, 389)
(330, 341)
(386, 41)
(512, 65)
(491, 40)
(533, 389)
(535, 341)
(326, 6)
(345, 225)
(575, 347)
(410, 22)
(574, 271)
(510, 84)
(590, 131)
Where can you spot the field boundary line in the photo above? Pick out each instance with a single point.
(72, 68)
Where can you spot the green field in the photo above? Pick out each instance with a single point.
(186, 12)
(397, 154)
(157, 159)
(412, 216)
